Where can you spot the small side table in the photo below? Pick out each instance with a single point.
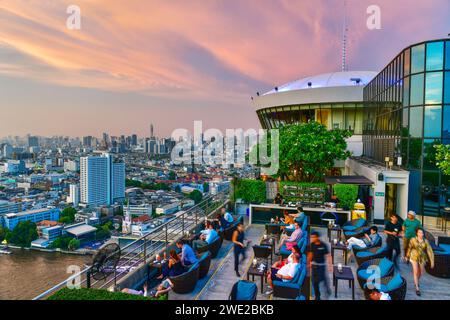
(345, 274)
(255, 271)
(189, 239)
(341, 247)
(336, 229)
(269, 242)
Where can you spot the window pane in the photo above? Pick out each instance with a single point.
(415, 122)
(433, 93)
(446, 128)
(432, 121)
(415, 153)
(447, 55)
(435, 56)
(417, 58)
(406, 91)
(429, 153)
(416, 89)
(447, 87)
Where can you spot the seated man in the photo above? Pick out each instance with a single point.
(164, 287)
(291, 240)
(228, 217)
(207, 236)
(286, 273)
(300, 215)
(368, 240)
(187, 254)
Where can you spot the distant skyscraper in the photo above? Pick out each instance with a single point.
(102, 180)
(33, 141)
(134, 140)
(87, 141)
(151, 131)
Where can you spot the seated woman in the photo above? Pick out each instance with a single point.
(278, 264)
(173, 267)
(287, 218)
(291, 240)
(367, 242)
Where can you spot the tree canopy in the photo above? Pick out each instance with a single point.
(67, 215)
(308, 151)
(196, 195)
(443, 158)
(23, 234)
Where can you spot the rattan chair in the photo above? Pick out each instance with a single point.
(205, 263)
(186, 282)
(398, 293)
(213, 247)
(374, 262)
(376, 253)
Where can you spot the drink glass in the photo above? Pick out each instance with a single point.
(255, 262)
(339, 267)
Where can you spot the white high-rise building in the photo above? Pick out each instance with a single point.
(74, 196)
(102, 181)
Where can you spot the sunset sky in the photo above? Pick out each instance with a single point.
(169, 63)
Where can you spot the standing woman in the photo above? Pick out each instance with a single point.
(239, 248)
(419, 253)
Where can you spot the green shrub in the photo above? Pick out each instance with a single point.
(251, 191)
(303, 191)
(97, 294)
(347, 194)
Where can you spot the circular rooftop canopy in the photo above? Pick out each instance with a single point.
(334, 79)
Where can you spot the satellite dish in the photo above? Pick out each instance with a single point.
(105, 261)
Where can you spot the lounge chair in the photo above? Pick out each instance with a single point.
(354, 224)
(395, 286)
(205, 263)
(370, 254)
(377, 244)
(363, 273)
(213, 247)
(186, 282)
(291, 289)
(243, 290)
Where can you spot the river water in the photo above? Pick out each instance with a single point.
(24, 274)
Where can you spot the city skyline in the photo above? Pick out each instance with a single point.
(173, 63)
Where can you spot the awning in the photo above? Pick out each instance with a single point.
(80, 230)
(359, 180)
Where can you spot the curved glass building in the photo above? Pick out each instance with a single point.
(397, 116)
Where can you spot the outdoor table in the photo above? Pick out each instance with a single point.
(255, 271)
(345, 274)
(339, 246)
(336, 229)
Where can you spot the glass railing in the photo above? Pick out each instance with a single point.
(144, 249)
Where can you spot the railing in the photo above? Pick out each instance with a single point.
(146, 247)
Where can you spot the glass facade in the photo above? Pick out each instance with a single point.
(407, 112)
(332, 115)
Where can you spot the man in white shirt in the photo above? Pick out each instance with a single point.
(286, 273)
(378, 295)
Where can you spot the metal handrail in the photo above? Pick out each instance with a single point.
(158, 238)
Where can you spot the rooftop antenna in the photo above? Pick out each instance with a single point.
(344, 39)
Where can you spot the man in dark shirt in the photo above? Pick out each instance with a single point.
(317, 260)
(392, 229)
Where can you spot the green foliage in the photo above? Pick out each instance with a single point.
(347, 194)
(196, 195)
(61, 243)
(22, 234)
(172, 175)
(251, 191)
(2, 188)
(74, 244)
(3, 233)
(97, 294)
(177, 188)
(104, 231)
(308, 151)
(443, 158)
(303, 191)
(206, 187)
(67, 216)
(147, 186)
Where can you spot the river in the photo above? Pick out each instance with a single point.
(26, 273)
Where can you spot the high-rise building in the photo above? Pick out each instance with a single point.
(102, 180)
(74, 195)
(87, 141)
(134, 140)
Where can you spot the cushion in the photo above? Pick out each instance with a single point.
(383, 288)
(297, 274)
(437, 248)
(245, 290)
(291, 285)
(395, 282)
(193, 266)
(446, 247)
(204, 256)
(385, 265)
(382, 249)
(364, 254)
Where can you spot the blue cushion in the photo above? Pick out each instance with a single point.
(364, 274)
(385, 265)
(383, 288)
(292, 285)
(297, 273)
(245, 290)
(446, 247)
(382, 249)
(364, 254)
(194, 266)
(350, 233)
(395, 282)
(204, 256)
